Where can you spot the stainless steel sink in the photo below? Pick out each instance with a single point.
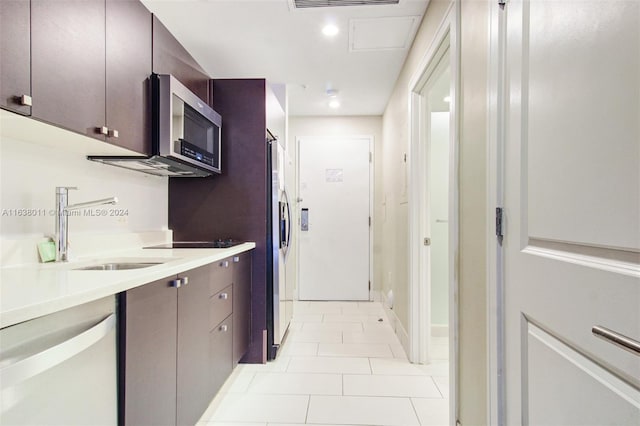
(118, 266)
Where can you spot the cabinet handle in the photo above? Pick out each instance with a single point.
(185, 280)
(113, 133)
(236, 259)
(224, 328)
(175, 283)
(224, 264)
(25, 100)
(223, 296)
(103, 130)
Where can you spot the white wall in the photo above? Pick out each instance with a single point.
(472, 377)
(395, 232)
(341, 126)
(32, 167)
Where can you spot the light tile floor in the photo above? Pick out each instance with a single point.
(339, 366)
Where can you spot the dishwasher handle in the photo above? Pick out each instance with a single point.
(22, 370)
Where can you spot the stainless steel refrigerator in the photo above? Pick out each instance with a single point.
(281, 310)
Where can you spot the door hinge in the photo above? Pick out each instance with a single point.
(371, 157)
(369, 221)
(502, 3)
(499, 233)
(369, 285)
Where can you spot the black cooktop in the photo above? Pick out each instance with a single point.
(198, 244)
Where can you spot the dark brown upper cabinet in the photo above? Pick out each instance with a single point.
(68, 62)
(15, 56)
(91, 60)
(128, 66)
(170, 57)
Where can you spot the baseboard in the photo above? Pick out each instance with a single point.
(396, 324)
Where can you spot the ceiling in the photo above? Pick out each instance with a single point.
(274, 40)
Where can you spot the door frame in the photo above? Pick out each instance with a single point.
(447, 37)
(371, 140)
(497, 99)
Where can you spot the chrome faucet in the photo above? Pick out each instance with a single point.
(62, 218)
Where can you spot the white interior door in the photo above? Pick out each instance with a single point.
(572, 211)
(334, 184)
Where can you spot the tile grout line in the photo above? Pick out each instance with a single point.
(437, 387)
(306, 416)
(415, 411)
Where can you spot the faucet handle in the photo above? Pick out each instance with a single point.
(63, 189)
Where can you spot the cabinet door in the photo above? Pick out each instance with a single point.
(148, 333)
(15, 55)
(241, 305)
(193, 388)
(170, 57)
(128, 67)
(220, 353)
(68, 59)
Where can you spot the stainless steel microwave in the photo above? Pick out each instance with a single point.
(185, 137)
(185, 127)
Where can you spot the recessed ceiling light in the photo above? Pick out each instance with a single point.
(332, 93)
(447, 99)
(334, 104)
(330, 30)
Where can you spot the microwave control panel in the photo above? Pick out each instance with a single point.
(189, 150)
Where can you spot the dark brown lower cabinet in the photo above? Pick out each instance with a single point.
(241, 305)
(193, 364)
(179, 342)
(147, 354)
(220, 341)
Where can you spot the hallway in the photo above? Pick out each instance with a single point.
(340, 365)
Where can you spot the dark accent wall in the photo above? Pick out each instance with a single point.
(234, 203)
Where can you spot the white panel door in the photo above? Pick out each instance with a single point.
(334, 249)
(572, 211)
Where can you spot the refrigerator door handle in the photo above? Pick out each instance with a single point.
(288, 232)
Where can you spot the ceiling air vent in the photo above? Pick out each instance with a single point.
(304, 4)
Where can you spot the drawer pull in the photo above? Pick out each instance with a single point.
(223, 296)
(236, 259)
(626, 343)
(113, 133)
(224, 264)
(224, 328)
(175, 283)
(103, 130)
(185, 280)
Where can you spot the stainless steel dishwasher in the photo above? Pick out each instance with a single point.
(60, 369)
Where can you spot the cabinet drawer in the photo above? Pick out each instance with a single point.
(220, 306)
(220, 353)
(221, 275)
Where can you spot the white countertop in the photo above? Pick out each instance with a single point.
(30, 291)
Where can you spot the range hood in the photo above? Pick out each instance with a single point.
(154, 165)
